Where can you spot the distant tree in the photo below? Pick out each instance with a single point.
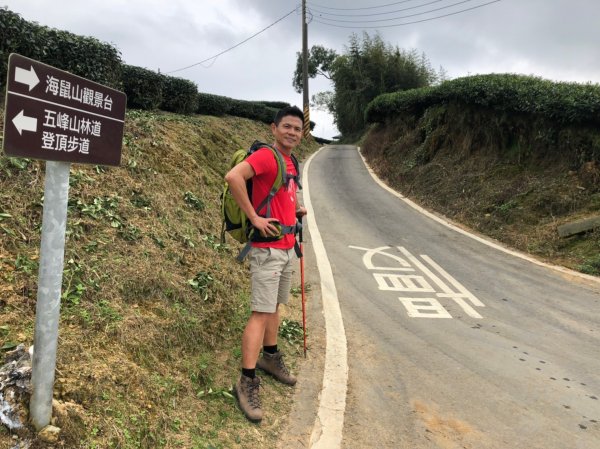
(323, 101)
(369, 67)
(320, 60)
(442, 75)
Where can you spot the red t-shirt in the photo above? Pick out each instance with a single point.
(283, 204)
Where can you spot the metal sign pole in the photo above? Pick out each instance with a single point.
(52, 254)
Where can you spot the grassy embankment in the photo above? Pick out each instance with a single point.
(511, 157)
(153, 305)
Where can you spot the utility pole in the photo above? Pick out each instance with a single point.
(305, 71)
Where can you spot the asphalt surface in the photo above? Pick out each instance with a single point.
(451, 343)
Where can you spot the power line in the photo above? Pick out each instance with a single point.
(410, 23)
(399, 17)
(366, 7)
(378, 13)
(236, 45)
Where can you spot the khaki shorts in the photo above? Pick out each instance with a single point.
(271, 273)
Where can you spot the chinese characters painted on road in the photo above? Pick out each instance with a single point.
(422, 282)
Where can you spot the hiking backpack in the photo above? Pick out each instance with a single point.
(234, 219)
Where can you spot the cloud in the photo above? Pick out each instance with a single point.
(555, 40)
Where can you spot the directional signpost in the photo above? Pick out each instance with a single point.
(55, 116)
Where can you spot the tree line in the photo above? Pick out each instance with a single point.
(368, 68)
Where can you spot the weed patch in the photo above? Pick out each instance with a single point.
(591, 266)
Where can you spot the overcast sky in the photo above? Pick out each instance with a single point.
(554, 39)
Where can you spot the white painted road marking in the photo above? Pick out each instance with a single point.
(419, 307)
(424, 308)
(329, 424)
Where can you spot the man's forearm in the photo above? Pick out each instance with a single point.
(240, 195)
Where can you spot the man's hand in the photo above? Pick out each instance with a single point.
(301, 212)
(265, 226)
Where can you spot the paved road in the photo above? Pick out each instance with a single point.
(451, 343)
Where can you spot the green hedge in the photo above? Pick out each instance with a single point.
(83, 56)
(559, 101)
(219, 105)
(143, 87)
(179, 95)
(209, 104)
(275, 104)
(253, 110)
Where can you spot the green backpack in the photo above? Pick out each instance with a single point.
(234, 219)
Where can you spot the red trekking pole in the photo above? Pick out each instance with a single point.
(302, 288)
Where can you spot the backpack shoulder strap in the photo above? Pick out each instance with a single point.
(279, 178)
(297, 167)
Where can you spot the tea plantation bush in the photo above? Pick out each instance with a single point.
(564, 103)
(83, 56)
(143, 87)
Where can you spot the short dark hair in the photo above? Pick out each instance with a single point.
(288, 110)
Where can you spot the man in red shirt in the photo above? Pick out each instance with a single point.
(271, 262)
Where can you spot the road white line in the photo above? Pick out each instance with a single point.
(329, 423)
(444, 221)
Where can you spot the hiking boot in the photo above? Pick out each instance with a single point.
(273, 364)
(246, 391)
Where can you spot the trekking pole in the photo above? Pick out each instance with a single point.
(302, 288)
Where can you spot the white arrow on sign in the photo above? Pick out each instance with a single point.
(24, 123)
(28, 77)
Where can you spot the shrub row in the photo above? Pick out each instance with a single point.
(83, 56)
(101, 62)
(275, 104)
(146, 89)
(149, 90)
(219, 105)
(263, 111)
(143, 87)
(561, 102)
(179, 95)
